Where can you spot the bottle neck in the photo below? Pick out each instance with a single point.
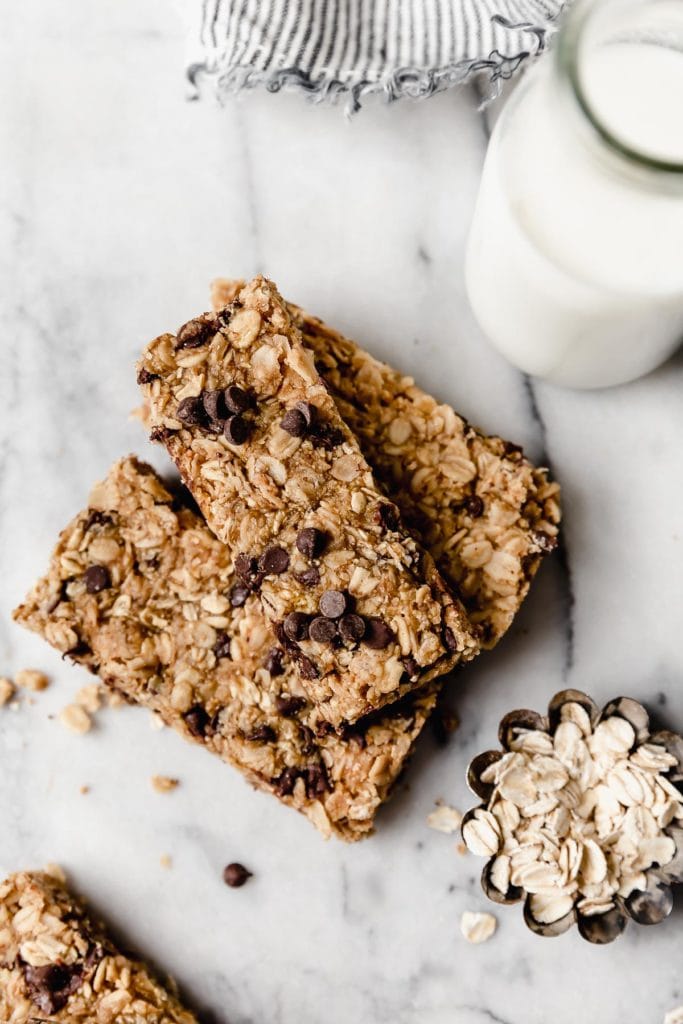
(618, 69)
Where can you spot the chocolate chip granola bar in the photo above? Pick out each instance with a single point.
(140, 591)
(360, 608)
(58, 964)
(482, 510)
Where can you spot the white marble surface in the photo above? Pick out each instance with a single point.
(119, 201)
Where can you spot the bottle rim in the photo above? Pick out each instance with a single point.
(567, 57)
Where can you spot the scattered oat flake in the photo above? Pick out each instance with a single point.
(674, 1016)
(445, 819)
(477, 927)
(156, 722)
(89, 697)
(166, 861)
(164, 784)
(461, 849)
(6, 690)
(84, 790)
(31, 679)
(75, 718)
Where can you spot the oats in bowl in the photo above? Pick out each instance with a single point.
(582, 816)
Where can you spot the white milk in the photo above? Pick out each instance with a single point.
(575, 259)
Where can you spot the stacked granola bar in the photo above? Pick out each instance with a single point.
(353, 541)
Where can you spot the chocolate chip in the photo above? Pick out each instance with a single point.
(352, 627)
(237, 429)
(222, 646)
(196, 332)
(97, 578)
(294, 422)
(309, 577)
(323, 728)
(50, 986)
(236, 399)
(333, 603)
(235, 875)
(324, 436)
(449, 640)
(285, 782)
(386, 516)
(238, 595)
(274, 561)
(197, 721)
(145, 376)
(377, 634)
(214, 405)
(245, 566)
(474, 506)
(316, 781)
(307, 668)
(191, 412)
(307, 411)
(262, 734)
(322, 630)
(273, 663)
(311, 542)
(295, 626)
(412, 668)
(287, 707)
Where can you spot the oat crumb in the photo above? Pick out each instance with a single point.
(89, 697)
(31, 679)
(461, 849)
(156, 722)
(445, 819)
(164, 784)
(477, 927)
(75, 718)
(166, 861)
(6, 690)
(84, 790)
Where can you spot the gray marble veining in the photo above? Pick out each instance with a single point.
(119, 201)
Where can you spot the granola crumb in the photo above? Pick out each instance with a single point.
(445, 819)
(31, 679)
(477, 927)
(164, 784)
(156, 722)
(166, 861)
(75, 718)
(84, 790)
(6, 690)
(461, 849)
(89, 697)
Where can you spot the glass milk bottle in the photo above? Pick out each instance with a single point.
(575, 258)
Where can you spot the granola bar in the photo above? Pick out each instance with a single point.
(140, 591)
(58, 964)
(482, 510)
(281, 480)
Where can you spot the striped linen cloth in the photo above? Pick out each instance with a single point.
(400, 48)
